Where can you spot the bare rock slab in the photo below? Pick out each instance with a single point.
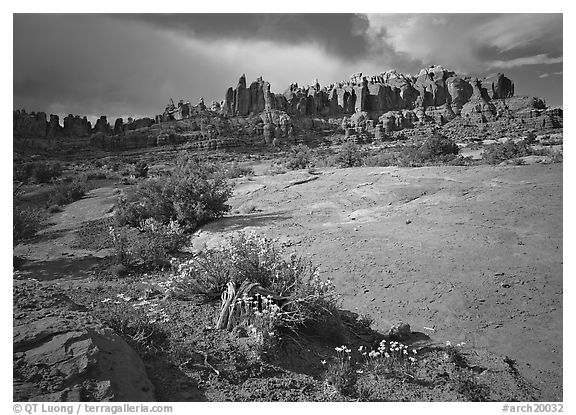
(61, 353)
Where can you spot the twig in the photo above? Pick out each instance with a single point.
(208, 365)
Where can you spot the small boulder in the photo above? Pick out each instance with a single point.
(399, 332)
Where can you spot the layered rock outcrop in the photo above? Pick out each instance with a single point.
(62, 353)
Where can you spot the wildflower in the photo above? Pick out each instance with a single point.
(448, 343)
(106, 300)
(359, 371)
(361, 348)
(405, 351)
(386, 355)
(414, 351)
(339, 349)
(323, 362)
(412, 359)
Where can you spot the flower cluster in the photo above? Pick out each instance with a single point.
(154, 226)
(152, 309)
(261, 314)
(390, 357)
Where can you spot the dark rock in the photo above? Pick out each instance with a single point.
(102, 126)
(118, 126)
(33, 125)
(74, 126)
(54, 129)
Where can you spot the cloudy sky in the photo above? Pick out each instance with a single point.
(131, 65)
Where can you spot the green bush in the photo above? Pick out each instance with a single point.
(299, 157)
(192, 195)
(66, 192)
(26, 222)
(499, 152)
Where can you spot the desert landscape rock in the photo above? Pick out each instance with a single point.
(431, 203)
(61, 353)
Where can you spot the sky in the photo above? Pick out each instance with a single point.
(122, 65)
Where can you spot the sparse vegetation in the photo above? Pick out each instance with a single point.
(149, 245)
(26, 221)
(499, 152)
(349, 155)
(299, 157)
(37, 171)
(141, 169)
(136, 326)
(65, 192)
(306, 299)
(235, 170)
(192, 195)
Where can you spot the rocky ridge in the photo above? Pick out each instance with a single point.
(363, 108)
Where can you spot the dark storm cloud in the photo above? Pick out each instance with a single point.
(120, 65)
(340, 34)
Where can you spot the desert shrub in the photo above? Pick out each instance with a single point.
(349, 155)
(192, 195)
(249, 257)
(66, 192)
(96, 175)
(141, 169)
(299, 157)
(39, 171)
(499, 152)
(235, 170)
(460, 160)
(437, 146)
(26, 221)
(530, 138)
(436, 149)
(150, 245)
(381, 159)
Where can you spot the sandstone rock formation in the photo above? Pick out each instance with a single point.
(102, 126)
(54, 129)
(74, 126)
(61, 353)
(29, 125)
(433, 87)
